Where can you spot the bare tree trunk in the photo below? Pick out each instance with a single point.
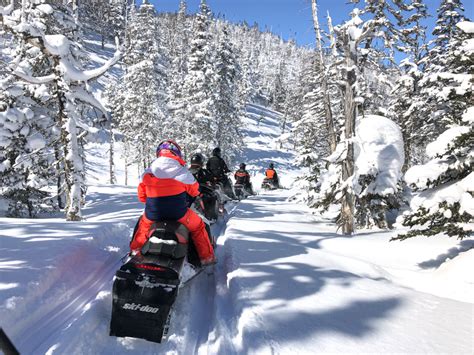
(126, 173)
(350, 112)
(329, 117)
(324, 84)
(125, 153)
(113, 179)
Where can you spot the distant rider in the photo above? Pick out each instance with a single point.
(272, 175)
(202, 175)
(218, 168)
(242, 177)
(164, 188)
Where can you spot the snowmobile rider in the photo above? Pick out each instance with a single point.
(272, 175)
(203, 176)
(242, 177)
(218, 168)
(164, 189)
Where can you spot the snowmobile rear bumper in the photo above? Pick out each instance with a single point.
(141, 305)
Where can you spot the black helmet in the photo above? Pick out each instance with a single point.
(197, 159)
(271, 165)
(216, 152)
(242, 166)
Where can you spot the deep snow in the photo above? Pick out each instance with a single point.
(285, 281)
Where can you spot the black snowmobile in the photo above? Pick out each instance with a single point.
(269, 184)
(241, 191)
(211, 203)
(146, 286)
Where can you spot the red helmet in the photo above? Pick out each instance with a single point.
(169, 145)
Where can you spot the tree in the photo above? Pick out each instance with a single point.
(143, 119)
(179, 50)
(407, 104)
(228, 108)
(446, 181)
(350, 36)
(62, 85)
(199, 87)
(439, 107)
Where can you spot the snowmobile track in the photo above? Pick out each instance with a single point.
(44, 325)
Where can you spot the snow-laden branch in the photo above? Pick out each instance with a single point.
(6, 10)
(84, 96)
(34, 80)
(85, 75)
(59, 46)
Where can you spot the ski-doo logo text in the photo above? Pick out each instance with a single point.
(139, 307)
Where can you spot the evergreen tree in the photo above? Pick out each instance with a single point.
(61, 87)
(407, 104)
(178, 55)
(446, 181)
(199, 87)
(143, 119)
(228, 108)
(439, 106)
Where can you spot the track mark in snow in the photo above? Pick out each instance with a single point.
(67, 301)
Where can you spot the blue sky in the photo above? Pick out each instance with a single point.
(287, 18)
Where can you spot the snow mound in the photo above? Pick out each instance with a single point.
(468, 116)
(457, 192)
(466, 26)
(443, 142)
(379, 152)
(57, 44)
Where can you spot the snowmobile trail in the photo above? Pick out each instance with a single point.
(64, 305)
(284, 287)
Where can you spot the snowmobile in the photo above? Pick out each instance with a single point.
(241, 191)
(269, 184)
(146, 286)
(211, 204)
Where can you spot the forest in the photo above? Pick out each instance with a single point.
(191, 77)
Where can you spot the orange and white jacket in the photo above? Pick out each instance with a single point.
(165, 188)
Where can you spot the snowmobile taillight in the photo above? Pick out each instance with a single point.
(149, 267)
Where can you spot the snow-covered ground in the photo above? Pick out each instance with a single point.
(285, 281)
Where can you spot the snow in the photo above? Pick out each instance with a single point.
(466, 26)
(445, 139)
(35, 142)
(57, 44)
(46, 8)
(459, 191)
(468, 116)
(6, 10)
(285, 282)
(155, 240)
(379, 152)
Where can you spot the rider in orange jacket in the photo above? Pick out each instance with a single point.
(272, 175)
(164, 189)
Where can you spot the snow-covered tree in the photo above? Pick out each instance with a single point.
(439, 103)
(405, 109)
(60, 84)
(179, 49)
(228, 107)
(199, 87)
(143, 119)
(107, 18)
(446, 181)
